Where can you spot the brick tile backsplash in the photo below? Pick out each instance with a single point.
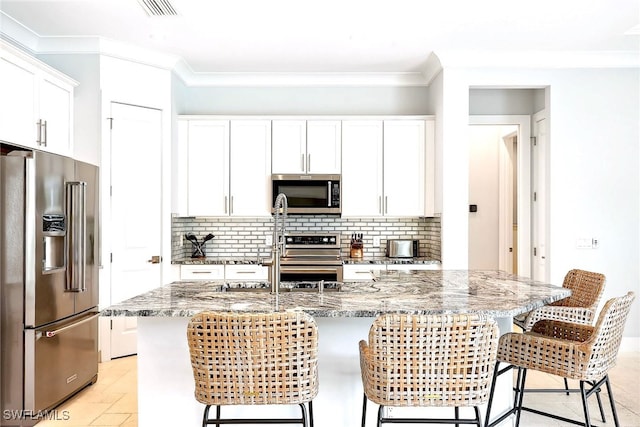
(245, 237)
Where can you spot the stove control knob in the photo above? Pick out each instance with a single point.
(289, 239)
(325, 239)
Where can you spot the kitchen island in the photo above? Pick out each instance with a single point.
(165, 383)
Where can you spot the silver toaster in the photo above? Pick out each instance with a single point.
(402, 248)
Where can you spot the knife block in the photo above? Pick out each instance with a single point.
(356, 250)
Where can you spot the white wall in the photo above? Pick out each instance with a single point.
(302, 100)
(505, 101)
(594, 161)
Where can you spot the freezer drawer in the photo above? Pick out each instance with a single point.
(59, 360)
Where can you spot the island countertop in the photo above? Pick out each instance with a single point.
(494, 293)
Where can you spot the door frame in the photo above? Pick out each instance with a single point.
(523, 178)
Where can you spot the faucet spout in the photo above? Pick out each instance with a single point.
(278, 248)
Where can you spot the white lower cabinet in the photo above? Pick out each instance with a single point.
(202, 272)
(407, 267)
(246, 272)
(351, 272)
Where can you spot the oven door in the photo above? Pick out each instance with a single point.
(315, 273)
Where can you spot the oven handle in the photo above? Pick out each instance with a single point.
(309, 268)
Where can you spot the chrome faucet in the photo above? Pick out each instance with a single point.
(279, 247)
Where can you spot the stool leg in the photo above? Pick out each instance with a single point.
(520, 393)
(303, 409)
(380, 409)
(311, 413)
(477, 411)
(364, 409)
(205, 416)
(457, 412)
(493, 387)
(218, 414)
(585, 405)
(566, 386)
(612, 402)
(604, 420)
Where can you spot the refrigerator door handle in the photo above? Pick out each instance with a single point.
(55, 332)
(76, 192)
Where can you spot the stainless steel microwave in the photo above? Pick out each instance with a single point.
(308, 194)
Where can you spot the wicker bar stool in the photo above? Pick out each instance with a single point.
(570, 350)
(580, 307)
(428, 361)
(254, 359)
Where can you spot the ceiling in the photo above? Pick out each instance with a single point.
(332, 36)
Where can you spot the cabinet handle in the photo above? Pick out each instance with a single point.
(308, 162)
(201, 272)
(231, 206)
(386, 204)
(44, 124)
(39, 135)
(380, 204)
(225, 204)
(302, 162)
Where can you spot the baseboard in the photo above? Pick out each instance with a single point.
(630, 344)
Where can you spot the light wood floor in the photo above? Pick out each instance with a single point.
(112, 401)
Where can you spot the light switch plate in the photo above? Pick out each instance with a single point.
(376, 241)
(268, 240)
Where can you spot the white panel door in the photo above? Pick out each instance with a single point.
(288, 146)
(250, 168)
(136, 212)
(17, 103)
(323, 146)
(207, 168)
(362, 168)
(404, 167)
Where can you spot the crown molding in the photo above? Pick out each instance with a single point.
(539, 59)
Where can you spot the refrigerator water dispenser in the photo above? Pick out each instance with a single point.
(54, 233)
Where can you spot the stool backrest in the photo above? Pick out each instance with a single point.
(245, 359)
(607, 336)
(431, 360)
(586, 289)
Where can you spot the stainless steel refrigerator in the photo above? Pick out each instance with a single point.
(49, 281)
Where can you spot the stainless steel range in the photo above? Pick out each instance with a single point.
(311, 257)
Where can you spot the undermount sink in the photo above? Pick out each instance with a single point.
(285, 287)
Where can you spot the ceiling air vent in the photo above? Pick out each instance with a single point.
(158, 7)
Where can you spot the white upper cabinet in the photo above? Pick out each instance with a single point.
(36, 103)
(17, 101)
(250, 167)
(404, 167)
(55, 117)
(306, 146)
(206, 150)
(289, 146)
(224, 167)
(362, 168)
(324, 143)
(387, 168)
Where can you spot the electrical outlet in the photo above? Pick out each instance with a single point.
(268, 240)
(376, 241)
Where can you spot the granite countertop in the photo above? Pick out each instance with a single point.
(387, 260)
(346, 260)
(492, 293)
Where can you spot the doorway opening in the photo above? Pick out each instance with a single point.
(499, 194)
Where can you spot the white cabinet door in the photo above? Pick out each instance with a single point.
(289, 146)
(362, 168)
(56, 116)
(323, 146)
(207, 166)
(17, 102)
(361, 271)
(404, 166)
(250, 167)
(202, 272)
